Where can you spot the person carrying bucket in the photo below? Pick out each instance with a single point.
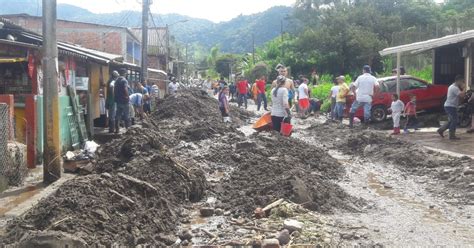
(280, 107)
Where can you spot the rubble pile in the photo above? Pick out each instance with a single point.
(268, 167)
(134, 195)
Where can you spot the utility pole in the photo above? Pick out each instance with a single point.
(178, 73)
(253, 48)
(144, 65)
(52, 154)
(186, 64)
(282, 39)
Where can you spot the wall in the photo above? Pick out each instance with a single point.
(99, 37)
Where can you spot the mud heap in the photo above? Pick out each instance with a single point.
(134, 195)
(455, 172)
(193, 115)
(267, 167)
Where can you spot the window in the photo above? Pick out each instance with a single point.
(415, 84)
(389, 86)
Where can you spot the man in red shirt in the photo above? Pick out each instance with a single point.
(261, 83)
(243, 90)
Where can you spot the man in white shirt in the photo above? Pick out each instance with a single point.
(364, 88)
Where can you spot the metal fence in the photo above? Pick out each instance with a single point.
(13, 169)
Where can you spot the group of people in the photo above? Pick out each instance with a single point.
(125, 102)
(285, 90)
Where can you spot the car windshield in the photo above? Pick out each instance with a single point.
(390, 86)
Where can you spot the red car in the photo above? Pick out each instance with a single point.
(428, 96)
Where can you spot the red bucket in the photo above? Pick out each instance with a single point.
(286, 129)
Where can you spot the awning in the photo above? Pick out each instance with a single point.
(429, 44)
(157, 71)
(12, 60)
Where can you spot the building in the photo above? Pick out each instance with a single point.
(452, 55)
(83, 73)
(105, 38)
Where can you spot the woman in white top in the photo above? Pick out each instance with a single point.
(280, 105)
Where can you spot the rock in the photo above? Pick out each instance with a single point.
(167, 239)
(270, 243)
(218, 212)
(292, 225)
(50, 239)
(86, 170)
(186, 235)
(101, 214)
(245, 145)
(185, 243)
(469, 172)
(106, 175)
(206, 211)
(296, 234)
(284, 237)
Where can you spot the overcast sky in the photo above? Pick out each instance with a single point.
(214, 10)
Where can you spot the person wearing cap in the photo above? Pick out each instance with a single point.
(110, 101)
(364, 87)
(280, 108)
(341, 97)
(122, 99)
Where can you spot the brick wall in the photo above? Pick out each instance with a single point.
(92, 36)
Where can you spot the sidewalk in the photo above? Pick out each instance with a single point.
(430, 138)
(15, 201)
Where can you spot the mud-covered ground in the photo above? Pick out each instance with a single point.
(183, 177)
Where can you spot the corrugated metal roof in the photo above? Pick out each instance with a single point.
(429, 44)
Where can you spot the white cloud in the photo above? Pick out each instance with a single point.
(214, 10)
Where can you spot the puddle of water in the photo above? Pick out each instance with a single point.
(429, 212)
(16, 200)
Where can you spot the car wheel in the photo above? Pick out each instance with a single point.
(379, 113)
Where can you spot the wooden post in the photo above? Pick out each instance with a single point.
(398, 73)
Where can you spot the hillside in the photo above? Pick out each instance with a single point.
(233, 36)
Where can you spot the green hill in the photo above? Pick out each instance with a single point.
(233, 36)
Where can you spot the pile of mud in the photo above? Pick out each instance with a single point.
(268, 167)
(134, 196)
(196, 105)
(455, 172)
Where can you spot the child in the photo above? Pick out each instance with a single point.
(396, 109)
(410, 112)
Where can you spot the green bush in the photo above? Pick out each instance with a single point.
(425, 73)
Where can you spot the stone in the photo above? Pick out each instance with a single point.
(185, 243)
(284, 237)
(245, 145)
(106, 175)
(469, 172)
(101, 214)
(206, 211)
(218, 212)
(186, 235)
(270, 243)
(292, 225)
(167, 239)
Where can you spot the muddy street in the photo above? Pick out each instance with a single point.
(183, 177)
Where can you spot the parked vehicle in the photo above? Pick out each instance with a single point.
(428, 96)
